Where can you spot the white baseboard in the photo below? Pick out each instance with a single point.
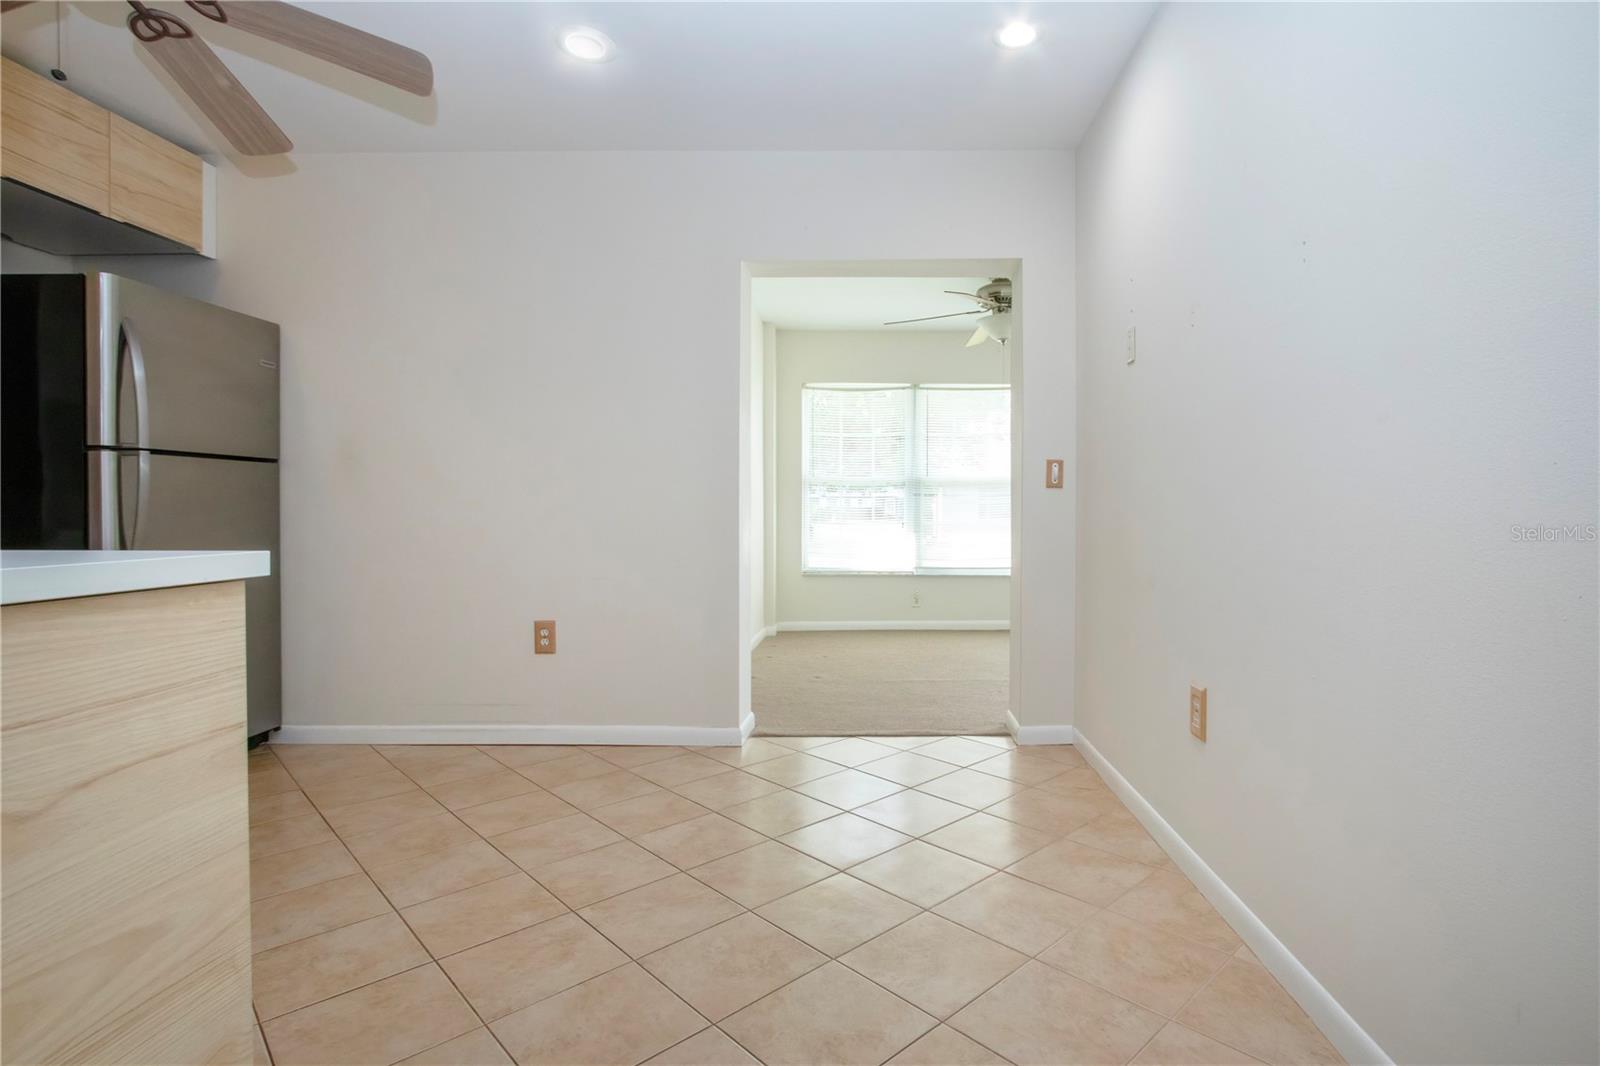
(1039, 734)
(747, 725)
(762, 634)
(828, 627)
(1335, 1022)
(687, 736)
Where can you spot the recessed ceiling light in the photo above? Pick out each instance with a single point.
(587, 44)
(1016, 35)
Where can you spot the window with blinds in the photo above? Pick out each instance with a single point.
(906, 478)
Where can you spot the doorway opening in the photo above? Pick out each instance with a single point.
(880, 520)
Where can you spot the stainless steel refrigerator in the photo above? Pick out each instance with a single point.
(135, 418)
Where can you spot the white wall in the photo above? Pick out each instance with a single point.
(513, 390)
(756, 502)
(1359, 245)
(915, 358)
(767, 396)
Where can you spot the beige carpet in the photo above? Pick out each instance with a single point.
(876, 683)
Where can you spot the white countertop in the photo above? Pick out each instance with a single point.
(29, 576)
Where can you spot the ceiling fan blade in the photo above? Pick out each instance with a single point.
(984, 300)
(218, 94)
(930, 318)
(345, 46)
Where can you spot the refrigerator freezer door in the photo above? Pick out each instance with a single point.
(42, 486)
(174, 374)
(175, 502)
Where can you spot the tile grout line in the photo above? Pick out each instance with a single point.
(581, 917)
(473, 1007)
(767, 838)
(1207, 983)
(636, 961)
(319, 810)
(1171, 1019)
(839, 958)
(365, 984)
(743, 910)
(940, 1021)
(331, 928)
(601, 933)
(1030, 958)
(1166, 1019)
(598, 931)
(483, 1023)
(944, 1023)
(434, 959)
(1149, 1041)
(719, 1029)
(717, 1024)
(262, 1033)
(1071, 933)
(846, 951)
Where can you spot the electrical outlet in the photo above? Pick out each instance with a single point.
(1197, 712)
(544, 637)
(916, 599)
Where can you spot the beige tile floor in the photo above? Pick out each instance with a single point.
(797, 900)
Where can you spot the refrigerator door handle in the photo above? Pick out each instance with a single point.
(133, 355)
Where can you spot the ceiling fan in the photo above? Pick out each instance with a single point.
(994, 300)
(201, 76)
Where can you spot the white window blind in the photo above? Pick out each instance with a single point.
(963, 486)
(856, 467)
(906, 479)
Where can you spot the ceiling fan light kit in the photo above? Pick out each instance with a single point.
(995, 327)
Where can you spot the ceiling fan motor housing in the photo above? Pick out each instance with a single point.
(999, 292)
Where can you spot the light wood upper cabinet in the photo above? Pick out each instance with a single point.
(155, 184)
(57, 142)
(53, 139)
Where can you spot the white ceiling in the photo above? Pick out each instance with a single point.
(862, 303)
(685, 75)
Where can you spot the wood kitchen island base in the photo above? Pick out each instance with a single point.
(125, 929)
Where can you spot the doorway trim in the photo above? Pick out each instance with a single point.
(749, 633)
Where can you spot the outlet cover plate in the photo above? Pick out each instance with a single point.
(1197, 712)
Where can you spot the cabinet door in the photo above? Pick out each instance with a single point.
(52, 139)
(126, 849)
(155, 185)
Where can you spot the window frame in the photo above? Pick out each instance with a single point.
(913, 428)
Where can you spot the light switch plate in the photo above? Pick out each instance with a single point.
(544, 637)
(1055, 473)
(1197, 712)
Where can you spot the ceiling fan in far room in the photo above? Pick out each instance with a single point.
(204, 79)
(994, 300)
